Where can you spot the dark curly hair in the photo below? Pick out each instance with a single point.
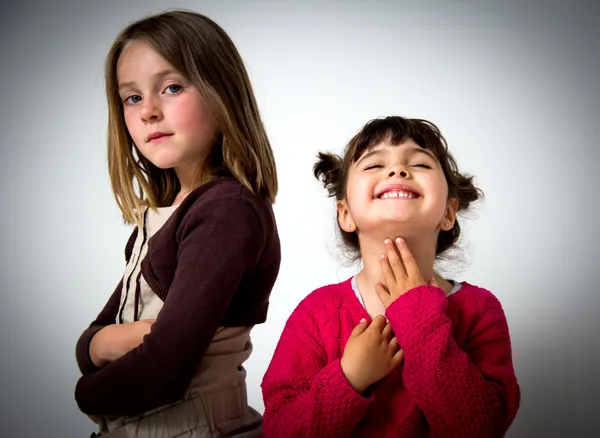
(332, 170)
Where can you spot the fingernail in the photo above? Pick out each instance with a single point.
(399, 240)
(387, 241)
(363, 320)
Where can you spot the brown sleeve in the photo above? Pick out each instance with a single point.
(220, 243)
(106, 317)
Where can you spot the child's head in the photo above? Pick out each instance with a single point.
(178, 73)
(397, 178)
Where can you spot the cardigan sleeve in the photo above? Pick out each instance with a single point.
(469, 392)
(304, 395)
(220, 241)
(106, 317)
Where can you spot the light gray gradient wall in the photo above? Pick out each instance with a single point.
(514, 87)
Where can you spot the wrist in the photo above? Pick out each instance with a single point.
(357, 384)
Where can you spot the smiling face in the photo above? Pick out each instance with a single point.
(164, 113)
(396, 188)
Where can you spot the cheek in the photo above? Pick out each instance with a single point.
(192, 116)
(443, 188)
(359, 193)
(439, 188)
(130, 123)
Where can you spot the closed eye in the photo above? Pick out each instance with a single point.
(373, 166)
(423, 165)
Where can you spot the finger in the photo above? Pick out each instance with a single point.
(386, 271)
(398, 358)
(378, 324)
(408, 260)
(383, 294)
(359, 328)
(387, 332)
(395, 261)
(394, 346)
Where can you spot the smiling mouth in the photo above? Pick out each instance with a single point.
(398, 194)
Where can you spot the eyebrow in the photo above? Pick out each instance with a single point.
(369, 154)
(416, 150)
(158, 75)
(411, 151)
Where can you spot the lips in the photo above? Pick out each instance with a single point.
(156, 136)
(398, 191)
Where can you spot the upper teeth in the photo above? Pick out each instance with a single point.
(398, 194)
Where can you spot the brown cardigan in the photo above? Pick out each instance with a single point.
(213, 263)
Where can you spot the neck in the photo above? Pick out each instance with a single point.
(371, 250)
(188, 177)
(423, 250)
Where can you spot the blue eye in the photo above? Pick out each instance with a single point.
(133, 99)
(173, 89)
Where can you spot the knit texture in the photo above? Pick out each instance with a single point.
(456, 380)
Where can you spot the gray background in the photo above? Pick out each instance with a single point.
(513, 85)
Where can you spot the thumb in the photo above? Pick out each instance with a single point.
(360, 328)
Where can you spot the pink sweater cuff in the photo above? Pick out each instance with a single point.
(341, 397)
(413, 312)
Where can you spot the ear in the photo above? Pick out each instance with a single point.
(345, 218)
(450, 215)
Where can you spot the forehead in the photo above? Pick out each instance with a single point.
(139, 59)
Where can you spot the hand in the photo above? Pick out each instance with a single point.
(115, 340)
(371, 353)
(400, 273)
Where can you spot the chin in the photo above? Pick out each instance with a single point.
(170, 165)
(402, 226)
(398, 220)
(164, 162)
(163, 166)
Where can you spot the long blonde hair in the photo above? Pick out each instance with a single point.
(201, 51)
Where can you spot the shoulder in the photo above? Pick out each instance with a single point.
(475, 299)
(226, 201)
(320, 304)
(227, 192)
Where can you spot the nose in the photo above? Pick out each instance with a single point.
(397, 170)
(150, 111)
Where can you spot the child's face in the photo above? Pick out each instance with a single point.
(396, 189)
(165, 115)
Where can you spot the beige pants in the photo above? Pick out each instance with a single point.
(224, 414)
